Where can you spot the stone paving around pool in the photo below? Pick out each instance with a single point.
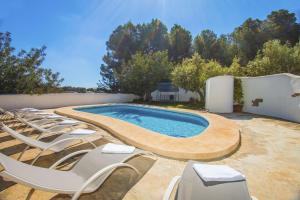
(269, 156)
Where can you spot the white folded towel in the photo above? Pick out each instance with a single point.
(68, 121)
(222, 173)
(43, 113)
(117, 148)
(82, 132)
(54, 116)
(30, 109)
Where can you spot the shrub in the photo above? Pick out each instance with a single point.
(238, 95)
(275, 58)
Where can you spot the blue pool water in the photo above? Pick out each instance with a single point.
(169, 123)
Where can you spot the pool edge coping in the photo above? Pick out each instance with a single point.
(220, 138)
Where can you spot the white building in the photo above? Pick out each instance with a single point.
(166, 92)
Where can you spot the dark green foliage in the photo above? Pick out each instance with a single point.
(74, 89)
(79, 89)
(282, 25)
(126, 41)
(252, 34)
(249, 37)
(22, 73)
(180, 43)
(238, 95)
(210, 47)
(108, 81)
(275, 58)
(206, 44)
(227, 50)
(152, 37)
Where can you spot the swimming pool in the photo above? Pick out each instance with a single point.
(171, 123)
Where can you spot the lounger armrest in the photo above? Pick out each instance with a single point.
(142, 153)
(68, 157)
(1, 168)
(61, 141)
(171, 187)
(100, 173)
(69, 139)
(56, 125)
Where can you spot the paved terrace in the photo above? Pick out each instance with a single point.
(269, 156)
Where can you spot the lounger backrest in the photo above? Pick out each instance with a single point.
(39, 177)
(192, 186)
(27, 140)
(93, 161)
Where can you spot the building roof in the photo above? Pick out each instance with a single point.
(167, 87)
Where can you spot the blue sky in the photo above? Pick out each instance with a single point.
(75, 31)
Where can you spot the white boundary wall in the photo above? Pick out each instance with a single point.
(56, 100)
(276, 91)
(219, 94)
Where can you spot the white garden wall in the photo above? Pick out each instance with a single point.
(219, 94)
(276, 92)
(61, 99)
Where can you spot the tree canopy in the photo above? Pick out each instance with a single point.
(180, 43)
(248, 48)
(193, 72)
(275, 58)
(125, 42)
(143, 72)
(253, 33)
(21, 73)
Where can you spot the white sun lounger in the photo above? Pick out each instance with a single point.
(28, 116)
(38, 116)
(6, 114)
(192, 187)
(28, 110)
(58, 144)
(56, 127)
(35, 117)
(87, 175)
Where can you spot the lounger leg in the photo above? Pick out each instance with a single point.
(30, 194)
(171, 187)
(24, 129)
(91, 143)
(38, 156)
(22, 153)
